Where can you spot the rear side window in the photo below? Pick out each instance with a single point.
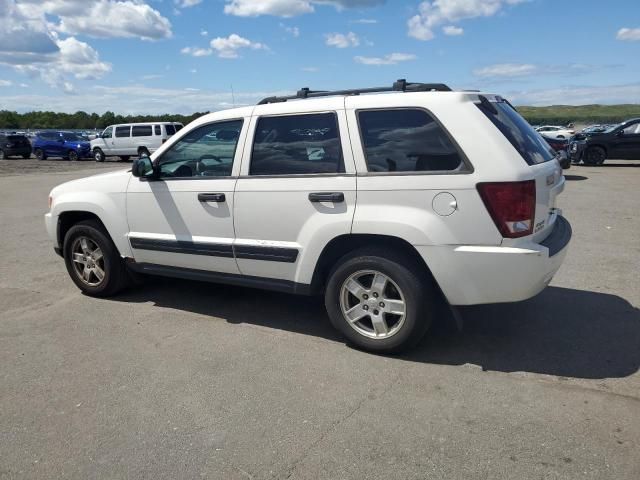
(157, 129)
(406, 140)
(297, 144)
(529, 143)
(170, 129)
(141, 131)
(123, 131)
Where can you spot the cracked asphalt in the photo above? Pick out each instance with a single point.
(180, 379)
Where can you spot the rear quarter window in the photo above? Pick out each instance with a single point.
(141, 131)
(406, 140)
(529, 143)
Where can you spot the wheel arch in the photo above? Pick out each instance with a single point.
(68, 219)
(342, 245)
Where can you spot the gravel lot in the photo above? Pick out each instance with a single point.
(183, 380)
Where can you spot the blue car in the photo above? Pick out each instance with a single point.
(67, 145)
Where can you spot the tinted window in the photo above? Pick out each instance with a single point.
(170, 129)
(632, 129)
(207, 151)
(178, 127)
(123, 131)
(71, 137)
(141, 131)
(406, 140)
(297, 144)
(529, 143)
(158, 130)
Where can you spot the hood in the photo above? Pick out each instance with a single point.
(110, 182)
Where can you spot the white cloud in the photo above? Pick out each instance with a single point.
(432, 13)
(6, 83)
(187, 3)
(513, 70)
(390, 59)
(228, 47)
(204, 33)
(365, 21)
(288, 8)
(452, 30)
(99, 18)
(577, 95)
(629, 34)
(294, 31)
(196, 51)
(340, 40)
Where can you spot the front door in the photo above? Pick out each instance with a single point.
(627, 144)
(185, 218)
(296, 192)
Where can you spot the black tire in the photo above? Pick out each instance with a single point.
(143, 151)
(3, 156)
(125, 158)
(98, 155)
(594, 156)
(40, 155)
(26, 157)
(115, 273)
(416, 287)
(73, 155)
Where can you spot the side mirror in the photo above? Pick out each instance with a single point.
(620, 133)
(143, 168)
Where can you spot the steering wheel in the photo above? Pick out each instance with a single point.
(200, 167)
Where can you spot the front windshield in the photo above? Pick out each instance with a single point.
(71, 137)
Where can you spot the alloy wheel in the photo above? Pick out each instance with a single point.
(373, 304)
(88, 261)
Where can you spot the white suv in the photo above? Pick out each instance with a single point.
(132, 139)
(387, 204)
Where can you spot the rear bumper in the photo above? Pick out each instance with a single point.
(473, 275)
(17, 151)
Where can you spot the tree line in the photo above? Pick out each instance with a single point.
(81, 120)
(556, 114)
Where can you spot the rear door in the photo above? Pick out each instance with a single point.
(296, 191)
(627, 144)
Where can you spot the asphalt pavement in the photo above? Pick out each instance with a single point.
(180, 379)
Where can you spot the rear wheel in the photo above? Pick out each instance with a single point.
(594, 156)
(2, 155)
(25, 156)
(380, 302)
(98, 155)
(143, 152)
(40, 155)
(92, 260)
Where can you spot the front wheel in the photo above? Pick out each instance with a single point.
(40, 155)
(92, 260)
(98, 155)
(73, 156)
(595, 156)
(380, 303)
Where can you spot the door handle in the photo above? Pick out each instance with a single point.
(335, 197)
(211, 197)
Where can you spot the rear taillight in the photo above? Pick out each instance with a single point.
(512, 206)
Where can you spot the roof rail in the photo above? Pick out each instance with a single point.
(400, 85)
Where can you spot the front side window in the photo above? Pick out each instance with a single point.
(632, 129)
(123, 132)
(141, 131)
(108, 132)
(207, 151)
(406, 140)
(529, 143)
(297, 144)
(71, 137)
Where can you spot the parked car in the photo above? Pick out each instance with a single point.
(132, 139)
(560, 146)
(554, 131)
(621, 142)
(388, 205)
(14, 145)
(67, 145)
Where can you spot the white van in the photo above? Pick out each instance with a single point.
(132, 139)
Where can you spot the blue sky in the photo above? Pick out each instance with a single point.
(154, 56)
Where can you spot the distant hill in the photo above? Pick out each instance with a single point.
(583, 114)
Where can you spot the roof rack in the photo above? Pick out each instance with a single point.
(400, 85)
